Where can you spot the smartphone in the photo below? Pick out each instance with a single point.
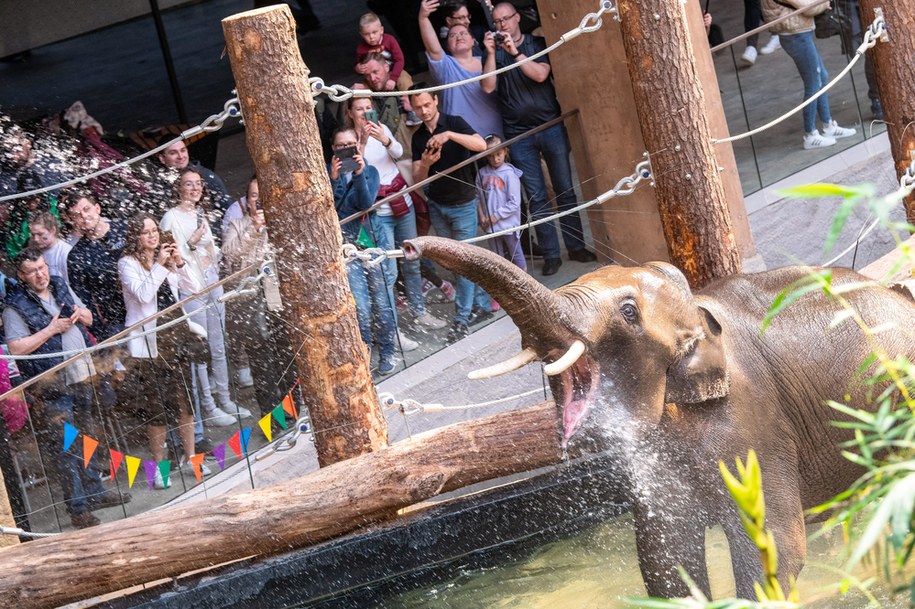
(371, 116)
(66, 311)
(346, 155)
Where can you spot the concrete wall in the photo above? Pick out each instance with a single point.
(27, 24)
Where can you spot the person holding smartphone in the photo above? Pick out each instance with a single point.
(398, 217)
(187, 222)
(151, 271)
(355, 192)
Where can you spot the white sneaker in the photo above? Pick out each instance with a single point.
(188, 468)
(218, 418)
(159, 482)
(427, 320)
(771, 46)
(406, 343)
(835, 131)
(815, 140)
(749, 56)
(234, 410)
(244, 378)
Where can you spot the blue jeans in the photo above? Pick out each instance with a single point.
(459, 222)
(374, 307)
(77, 482)
(397, 231)
(802, 49)
(553, 145)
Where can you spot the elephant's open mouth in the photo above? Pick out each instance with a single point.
(577, 388)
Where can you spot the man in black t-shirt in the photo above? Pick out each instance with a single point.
(443, 141)
(527, 99)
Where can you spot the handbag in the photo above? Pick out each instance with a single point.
(399, 206)
(831, 23)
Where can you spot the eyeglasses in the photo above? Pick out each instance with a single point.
(499, 22)
(192, 184)
(457, 35)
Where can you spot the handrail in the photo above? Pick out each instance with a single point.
(473, 159)
(765, 26)
(126, 331)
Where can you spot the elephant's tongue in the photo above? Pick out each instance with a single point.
(572, 415)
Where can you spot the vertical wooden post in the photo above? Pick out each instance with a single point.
(670, 103)
(283, 141)
(893, 68)
(606, 138)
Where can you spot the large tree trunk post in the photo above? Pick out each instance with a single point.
(321, 505)
(671, 107)
(283, 141)
(893, 68)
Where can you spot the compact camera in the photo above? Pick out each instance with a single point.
(498, 38)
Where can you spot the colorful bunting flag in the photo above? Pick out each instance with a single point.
(245, 436)
(150, 467)
(220, 453)
(289, 405)
(279, 415)
(265, 427)
(70, 434)
(197, 461)
(133, 464)
(115, 461)
(89, 446)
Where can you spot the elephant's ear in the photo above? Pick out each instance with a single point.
(701, 373)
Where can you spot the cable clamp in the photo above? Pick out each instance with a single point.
(302, 427)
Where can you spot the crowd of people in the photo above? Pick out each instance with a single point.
(84, 263)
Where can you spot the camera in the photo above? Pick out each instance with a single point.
(498, 38)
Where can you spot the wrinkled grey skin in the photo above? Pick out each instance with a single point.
(678, 382)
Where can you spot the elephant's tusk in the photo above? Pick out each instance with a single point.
(517, 361)
(565, 362)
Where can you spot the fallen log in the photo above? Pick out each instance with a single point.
(323, 504)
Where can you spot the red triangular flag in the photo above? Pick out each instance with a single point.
(235, 444)
(89, 446)
(289, 406)
(116, 459)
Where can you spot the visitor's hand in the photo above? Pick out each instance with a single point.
(358, 158)
(431, 155)
(439, 139)
(163, 255)
(489, 43)
(59, 324)
(389, 86)
(258, 219)
(427, 7)
(336, 164)
(372, 130)
(509, 45)
(174, 255)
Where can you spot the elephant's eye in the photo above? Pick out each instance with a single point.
(629, 312)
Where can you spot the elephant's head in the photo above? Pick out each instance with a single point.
(617, 341)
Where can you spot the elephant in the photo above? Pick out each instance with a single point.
(670, 382)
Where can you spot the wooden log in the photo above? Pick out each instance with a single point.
(282, 137)
(670, 103)
(323, 504)
(893, 69)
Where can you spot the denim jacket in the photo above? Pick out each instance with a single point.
(355, 195)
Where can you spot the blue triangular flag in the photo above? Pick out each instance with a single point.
(245, 436)
(70, 434)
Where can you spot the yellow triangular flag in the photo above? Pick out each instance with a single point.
(89, 446)
(265, 427)
(133, 464)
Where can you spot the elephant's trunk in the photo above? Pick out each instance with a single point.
(537, 311)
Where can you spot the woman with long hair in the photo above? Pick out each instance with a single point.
(151, 274)
(186, 222)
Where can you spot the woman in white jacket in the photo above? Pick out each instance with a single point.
(150, 278)
(186, 223)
